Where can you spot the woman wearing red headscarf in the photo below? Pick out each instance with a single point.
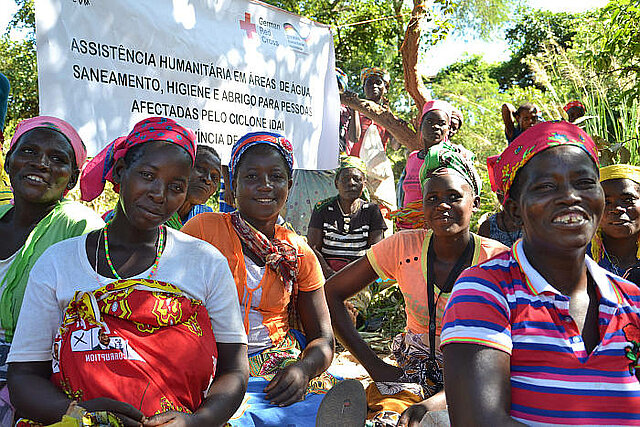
(151, 329)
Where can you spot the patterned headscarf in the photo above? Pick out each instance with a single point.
(450, 157)
(352, 162)
(343, 80)
(503, 168)
(572, 104)
(100, 168)
(374, 71)
(275, 140)
(58, 125)
(437, 104)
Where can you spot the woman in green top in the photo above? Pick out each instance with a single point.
(43, 165)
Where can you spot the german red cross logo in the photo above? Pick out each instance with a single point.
(246, 25)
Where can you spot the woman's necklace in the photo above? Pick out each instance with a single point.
(346, 219)
(159, 250)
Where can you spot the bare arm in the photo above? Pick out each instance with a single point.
(375, 236)
(37, 398)
(314, 238)
(508, 113)
(478, 387)
(224, 396)
(354, 131)
(345, 283)
(290, 384)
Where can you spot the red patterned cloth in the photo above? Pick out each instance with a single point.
(137, 341)
(572, 104)
(503, 168)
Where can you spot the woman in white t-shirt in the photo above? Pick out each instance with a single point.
(150, 322)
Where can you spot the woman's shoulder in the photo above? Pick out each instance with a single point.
(63, 250)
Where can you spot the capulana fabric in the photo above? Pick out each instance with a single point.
(620, 171)
(100, 168)
(347, 162)
(531, 142)
(572, 104)
(437, 104)
(447, 156)
(58, 125)
(374, 71)
(343, 80)
(273, 139)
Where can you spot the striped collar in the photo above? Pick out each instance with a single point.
(538, 284)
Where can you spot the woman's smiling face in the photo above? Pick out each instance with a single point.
(621, 209)
(41, 166)
(261, 184)
(448, 203)
(559, 200)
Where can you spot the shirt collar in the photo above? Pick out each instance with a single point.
(538, 284)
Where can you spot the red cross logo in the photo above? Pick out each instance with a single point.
(247, 25)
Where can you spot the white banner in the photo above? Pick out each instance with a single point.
(221, 67)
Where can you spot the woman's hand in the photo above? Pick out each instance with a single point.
(172, 419)
(413, 415)
(288, 386)
(128, 414)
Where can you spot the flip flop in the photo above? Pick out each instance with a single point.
(345, 405)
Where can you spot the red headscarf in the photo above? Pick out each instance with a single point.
(503, 168)
(100, 169)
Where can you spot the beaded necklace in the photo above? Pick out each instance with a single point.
(159, 250)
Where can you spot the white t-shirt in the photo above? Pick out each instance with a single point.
(194, 266)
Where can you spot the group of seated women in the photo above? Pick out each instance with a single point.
(134, 323)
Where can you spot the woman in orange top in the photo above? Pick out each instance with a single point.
(278, 278)
(425, 263)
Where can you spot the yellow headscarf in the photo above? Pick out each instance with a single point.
(620, 171)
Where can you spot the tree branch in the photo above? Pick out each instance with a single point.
(383, 115)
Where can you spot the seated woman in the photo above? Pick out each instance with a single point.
(425, 264)
(541, 334)
(151, 329)
(42, 164)
(615, 246)
(279, 283)
(343, 227)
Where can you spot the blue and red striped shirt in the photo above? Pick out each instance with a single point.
(504, 303)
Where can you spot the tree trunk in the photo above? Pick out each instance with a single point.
(413, 84)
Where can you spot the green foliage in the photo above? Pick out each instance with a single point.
(18, 63)
(616, 44)
(527, 37)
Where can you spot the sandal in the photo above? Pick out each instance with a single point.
(345, 405)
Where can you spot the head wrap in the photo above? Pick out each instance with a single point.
(352, 162)
(343, 80)
(57, 125)
(454, 159)
(374, 71)
(100, 168)
(503, 168)
(457, 114)
(619, 172)
(275, 140)
(572, 104)
(437, 105)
